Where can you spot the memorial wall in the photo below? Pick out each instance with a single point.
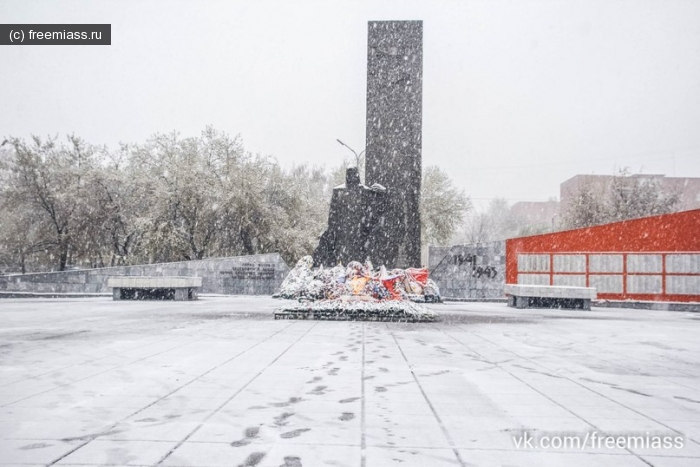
(475, 271)
(238, 275)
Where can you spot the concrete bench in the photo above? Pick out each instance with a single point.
(550, 296)
(154, 288)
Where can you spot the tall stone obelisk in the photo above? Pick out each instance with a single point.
(393, 146)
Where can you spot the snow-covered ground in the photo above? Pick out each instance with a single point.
(218, 382)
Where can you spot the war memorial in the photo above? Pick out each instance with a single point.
(380, 221)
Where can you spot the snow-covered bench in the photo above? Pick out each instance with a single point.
(550, 296)
(154, 288)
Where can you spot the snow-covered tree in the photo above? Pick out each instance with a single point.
(588, 207)
(443, 206)
(627, 196)
(494, 223)
(47, 182)
(172, 198)
(114, 223)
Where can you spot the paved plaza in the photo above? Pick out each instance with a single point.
(218, 382)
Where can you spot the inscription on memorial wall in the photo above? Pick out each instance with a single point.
(488, 272)
(253, 271)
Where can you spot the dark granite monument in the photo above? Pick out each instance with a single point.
(383, 223)
(394, 117)
(357, 216)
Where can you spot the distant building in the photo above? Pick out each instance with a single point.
(687, 188)
(536, 213)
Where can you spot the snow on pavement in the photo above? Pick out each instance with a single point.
(218, 382)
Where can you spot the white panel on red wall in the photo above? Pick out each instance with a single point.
(643, 263)
(683, 263)
(606, 283)
(533, 263)
(570, 280)
(533, 279)
(643, 284)
(569, 263)
(683, 285)
(605, 263)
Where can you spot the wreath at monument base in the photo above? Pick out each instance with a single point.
(357, 292)
(350, 309)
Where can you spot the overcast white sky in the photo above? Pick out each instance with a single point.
(518, 96)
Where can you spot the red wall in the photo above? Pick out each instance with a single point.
(667, 233)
